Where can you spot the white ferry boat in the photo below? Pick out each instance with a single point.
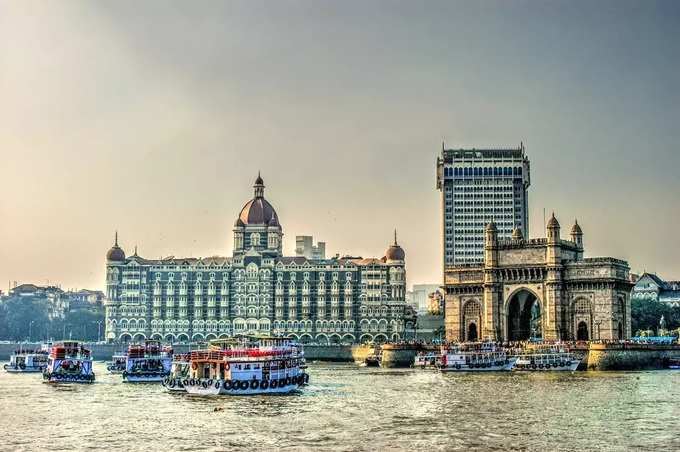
(26, 361)
(427, 360)
(117, 363)
(148, 362)
(69, 362)
(475, 357)
(546, 358)
(179, 373)
(247, 366)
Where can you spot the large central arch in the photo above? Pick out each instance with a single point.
(524, 316)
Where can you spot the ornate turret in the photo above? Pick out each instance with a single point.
(491, 245)
(553, 229)
(395, 252)
(116, 253)
(257, 226)
(577, 238)
(517, 234)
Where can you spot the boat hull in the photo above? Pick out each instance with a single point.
(570, 367)
(239, 388)
(492, 368)
(69, 379)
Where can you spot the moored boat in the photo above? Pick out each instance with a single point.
(546, 358)
(27, 361)
(475, 357)
(674, 363)
(69, 362)
(427, 360)
(179, 373)
(147, 363)
(117, 363)
(247, 366)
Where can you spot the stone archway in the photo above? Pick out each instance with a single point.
(472, 332)
(582, 331)
(524, 316)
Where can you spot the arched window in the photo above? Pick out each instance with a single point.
(255, 239)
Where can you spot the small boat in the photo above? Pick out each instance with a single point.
(117, 364)
(475, 357)
(69, 362)
(247, 366)
(546, 358)
(372, 360)
(147, 363)
(674, 363)
(179, 373)
(427, 360)
(27, 361)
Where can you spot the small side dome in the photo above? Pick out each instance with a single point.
(395, 252)
(116, 253)
(576, 229)
(517, 234)
(553, 223)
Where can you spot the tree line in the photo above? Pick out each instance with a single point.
(646, 314)
(27, 319)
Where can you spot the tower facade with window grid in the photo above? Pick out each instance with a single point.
(478, 186)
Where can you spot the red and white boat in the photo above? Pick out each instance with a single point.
(179, 372)
(148, 362)
(69, 362)
(247, 366)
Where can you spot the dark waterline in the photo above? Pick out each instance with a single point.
(350, 408)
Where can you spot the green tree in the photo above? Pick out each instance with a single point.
(645, 315)
(24, 316)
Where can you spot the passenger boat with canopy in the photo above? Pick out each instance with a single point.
(553, 357)
(427, 360)
(69, 362)
(247, 366)
(26, 361)
(475, 357)
(148, 362)
(117, 363)
(178, 373)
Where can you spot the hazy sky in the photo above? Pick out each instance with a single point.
(153, 118)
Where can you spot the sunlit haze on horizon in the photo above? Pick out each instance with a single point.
(154, 118)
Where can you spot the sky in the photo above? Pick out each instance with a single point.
(153, 118)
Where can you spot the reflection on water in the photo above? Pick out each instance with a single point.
(351, 408)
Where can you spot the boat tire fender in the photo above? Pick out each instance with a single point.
(210, 382)
(228, 384)
(217, 384)
(264, 384)
(273, 384)
(254, 384)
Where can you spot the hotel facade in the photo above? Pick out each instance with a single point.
(257, 290)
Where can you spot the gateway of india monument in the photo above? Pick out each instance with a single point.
(499, 285)
(537, 288)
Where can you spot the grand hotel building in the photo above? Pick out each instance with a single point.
(257, 291)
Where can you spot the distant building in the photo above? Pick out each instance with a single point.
(257, 290)
(418, 296)
(651, 287)
(58, 304)
(538, 288)
(86, 299)
(479, 186)
(304, 247)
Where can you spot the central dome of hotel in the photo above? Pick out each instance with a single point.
(258, 211)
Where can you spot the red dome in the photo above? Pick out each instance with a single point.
(258, 211)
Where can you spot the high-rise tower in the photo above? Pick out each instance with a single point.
(479, 186)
